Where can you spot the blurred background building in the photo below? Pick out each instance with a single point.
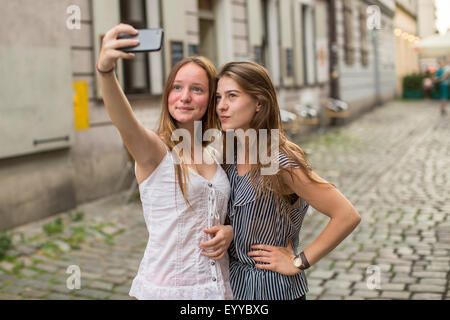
(365, 44)
(406, 31)
(59, 147)
(426, 26)
(426, 18)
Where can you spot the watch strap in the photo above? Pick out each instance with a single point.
(305, 264)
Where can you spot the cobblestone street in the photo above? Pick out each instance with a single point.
(392, 164)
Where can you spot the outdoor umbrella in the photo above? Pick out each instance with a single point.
(434, 46)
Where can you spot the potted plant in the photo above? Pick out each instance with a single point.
(413, 86)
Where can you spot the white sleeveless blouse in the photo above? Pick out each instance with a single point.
(172, 267)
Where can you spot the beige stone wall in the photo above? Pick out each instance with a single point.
(407, 59)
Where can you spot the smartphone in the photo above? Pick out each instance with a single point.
(149, 40)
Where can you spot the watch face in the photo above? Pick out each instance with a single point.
(297, 262)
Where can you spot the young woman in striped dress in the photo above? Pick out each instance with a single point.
(266, 211)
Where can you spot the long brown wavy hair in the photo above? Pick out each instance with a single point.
(255, 81)
(167, 124)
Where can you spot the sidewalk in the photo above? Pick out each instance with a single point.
(392, 164)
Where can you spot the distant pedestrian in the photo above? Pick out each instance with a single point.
(428, 85)
(183, 204)
(443, 77)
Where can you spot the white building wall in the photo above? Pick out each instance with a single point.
(387, 65)
(358, 82)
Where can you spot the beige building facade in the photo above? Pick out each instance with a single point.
(59, 145)
(426, 25)
(406, 32)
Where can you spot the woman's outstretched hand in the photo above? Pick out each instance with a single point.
(278, 259)
(109, 52)
(218, 245)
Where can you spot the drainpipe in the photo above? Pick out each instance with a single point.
(376, 67)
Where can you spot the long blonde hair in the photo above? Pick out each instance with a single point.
(255, 81)
(167, 124)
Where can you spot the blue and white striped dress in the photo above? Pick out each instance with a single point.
(256, 221)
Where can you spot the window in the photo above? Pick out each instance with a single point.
(257, 30)
(205, 5)
(193, 50)
(257, 55)
(176, 52)
(289, 63)
(136, 71)
(349, 51)
(265, 36)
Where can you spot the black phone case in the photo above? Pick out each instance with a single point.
(149, 40)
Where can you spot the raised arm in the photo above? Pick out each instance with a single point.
(144, 145)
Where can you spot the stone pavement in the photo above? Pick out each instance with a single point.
(392, 164)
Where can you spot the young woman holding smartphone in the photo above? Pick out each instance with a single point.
(184, 205)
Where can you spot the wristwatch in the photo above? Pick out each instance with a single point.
(301, 262)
